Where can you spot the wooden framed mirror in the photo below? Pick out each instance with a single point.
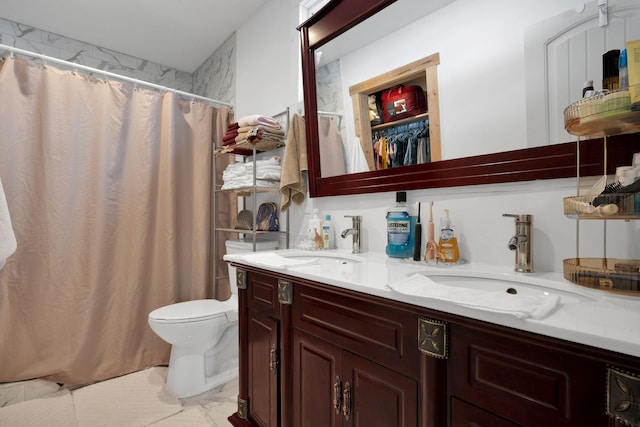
(557, 160)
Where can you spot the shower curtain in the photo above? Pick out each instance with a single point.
(109, 191)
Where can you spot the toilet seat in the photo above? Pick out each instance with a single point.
(190, 311)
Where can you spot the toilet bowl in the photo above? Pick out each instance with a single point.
(204, 343)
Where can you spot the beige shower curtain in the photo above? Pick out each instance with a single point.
(109, 191)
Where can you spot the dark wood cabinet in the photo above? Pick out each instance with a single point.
(264, 345)
(314, 355)
(333, 387)
(263, 380)
(355, 360)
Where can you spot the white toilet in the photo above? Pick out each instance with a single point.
(204, 343)
(203, 335)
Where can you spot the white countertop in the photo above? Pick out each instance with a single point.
(588, 316)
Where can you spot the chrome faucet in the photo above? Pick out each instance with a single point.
(354, 231)
(522, 242)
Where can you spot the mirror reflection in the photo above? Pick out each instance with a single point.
(506, 71)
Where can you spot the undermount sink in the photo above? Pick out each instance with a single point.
(287, 259)
(323, 257)
(514, 284)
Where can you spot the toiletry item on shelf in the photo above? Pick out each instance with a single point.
(610, 70)
(623, 75)
(315, 229)
(603, 198)
(417, 246)
(448, 243)
(432, 256)
(328, 235)
(400, 228)
(633, 70)
(587, 89)
(625, 175)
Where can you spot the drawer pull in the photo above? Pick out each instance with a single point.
(337, 395)
(346, 401)
(273, 360)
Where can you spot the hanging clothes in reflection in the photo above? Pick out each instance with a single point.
(402, 145)
(332, 158)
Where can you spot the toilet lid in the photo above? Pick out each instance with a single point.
(190, 310)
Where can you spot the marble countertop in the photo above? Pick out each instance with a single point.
(587, 316)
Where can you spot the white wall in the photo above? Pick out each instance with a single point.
(476, 210)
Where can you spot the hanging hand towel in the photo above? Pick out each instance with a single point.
(292, 182)
(522, 306)
(7, 238)
(358, 163)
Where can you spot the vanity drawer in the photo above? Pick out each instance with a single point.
(262, 293)
(524, 379)
(376, 329)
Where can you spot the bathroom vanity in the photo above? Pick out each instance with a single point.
(328, 343)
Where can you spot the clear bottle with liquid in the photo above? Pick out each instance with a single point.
(401, 226)
(327, 233)
(315, 230)
(448, 242)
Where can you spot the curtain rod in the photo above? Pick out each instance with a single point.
(76, 66)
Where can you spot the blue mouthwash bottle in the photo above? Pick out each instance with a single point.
(401, 227)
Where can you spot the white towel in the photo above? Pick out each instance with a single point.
(257, 119)
(358, 163)
(522, 306)
(8, 243)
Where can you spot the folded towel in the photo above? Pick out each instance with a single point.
(273, 260)
(522, 306)
(292, 183)
(8, 243)
(268, 129)
(257, 119)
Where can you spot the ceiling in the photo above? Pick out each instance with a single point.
(181, 34)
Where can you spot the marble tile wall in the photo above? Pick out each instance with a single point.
(215, 78)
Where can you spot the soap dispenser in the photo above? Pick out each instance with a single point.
(448, 243)
(315, 229)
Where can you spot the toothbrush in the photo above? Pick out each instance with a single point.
(431, 243)
(418, 239)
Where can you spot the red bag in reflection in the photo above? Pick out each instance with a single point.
(401, 102)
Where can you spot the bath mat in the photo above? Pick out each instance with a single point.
(141, 398)
(53, 410)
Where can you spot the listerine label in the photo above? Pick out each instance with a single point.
(398, 229)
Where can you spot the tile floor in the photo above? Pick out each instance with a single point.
(134, 400)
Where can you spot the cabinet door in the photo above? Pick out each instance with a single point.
(379, 396)
(317, 382)
(262, 332)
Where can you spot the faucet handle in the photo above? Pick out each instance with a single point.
(520, 217)
(355, 218)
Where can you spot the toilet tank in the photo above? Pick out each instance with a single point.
(241, 246)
